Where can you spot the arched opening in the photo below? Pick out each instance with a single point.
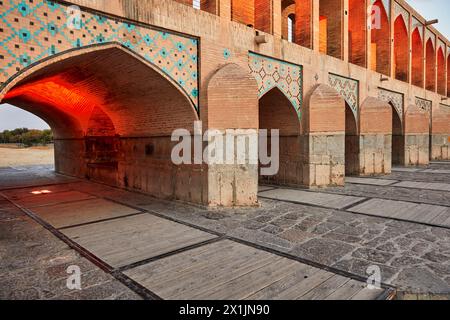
(330, 27)
(352, 148)
(441, 85)
(357, 28)
(398, 139)
(417, 58)
(25, 139)
(243, 11)
(380, 51)
(401, 51)
(108, 127)
(277, 113)
(288, 20)
(430, 66)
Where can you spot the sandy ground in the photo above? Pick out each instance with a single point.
(10, 156)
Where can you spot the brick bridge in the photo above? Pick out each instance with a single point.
(114, 78)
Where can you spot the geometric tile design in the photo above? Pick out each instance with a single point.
(31, 31)
(394, 98)
(423, 104)
(270, 73)
(348, 89)
(399, 10)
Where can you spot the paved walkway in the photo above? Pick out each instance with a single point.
(323, 241)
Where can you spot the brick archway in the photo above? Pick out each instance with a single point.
(417, 58)
(113, 114)
(380, 40)
(276, 112)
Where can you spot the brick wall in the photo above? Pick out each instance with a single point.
(243, 11)
(430, 66)
(263, 15)
(331, 11)
(303, 20)
(357, 32)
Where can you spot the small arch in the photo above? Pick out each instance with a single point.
(417, 58)
(430, 66)
(441, 85)
(401, 51)
(352, 145)
(398, 138)
(277, 112)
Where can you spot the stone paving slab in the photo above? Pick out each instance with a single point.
(319, 199)
(227, 270)
(369, 181)
(82, 212)
(399, 169)
(408, 211)
(129, 240)
(436, 171)
(424, 185)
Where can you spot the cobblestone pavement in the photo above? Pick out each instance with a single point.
(413, 257)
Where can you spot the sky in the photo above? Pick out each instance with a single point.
(11, 117)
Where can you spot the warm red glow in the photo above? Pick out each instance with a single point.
(58, 92)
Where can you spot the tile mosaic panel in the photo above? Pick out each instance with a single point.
(270, 73)
(423, 104)
(348, 89)
(395, 98)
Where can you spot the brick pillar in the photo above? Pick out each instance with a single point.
(324, 135)
(277, 19)
(232, 103)
(440, 134)
(417, 136)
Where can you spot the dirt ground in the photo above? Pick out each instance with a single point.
(12, 156)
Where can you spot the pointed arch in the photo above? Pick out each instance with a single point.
(441, 85)
(430, 75)
(417, 58)
(401, 49)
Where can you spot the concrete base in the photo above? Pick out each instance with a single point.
(440, 147)
(326, 162)
(417, 148)
(375, 154)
